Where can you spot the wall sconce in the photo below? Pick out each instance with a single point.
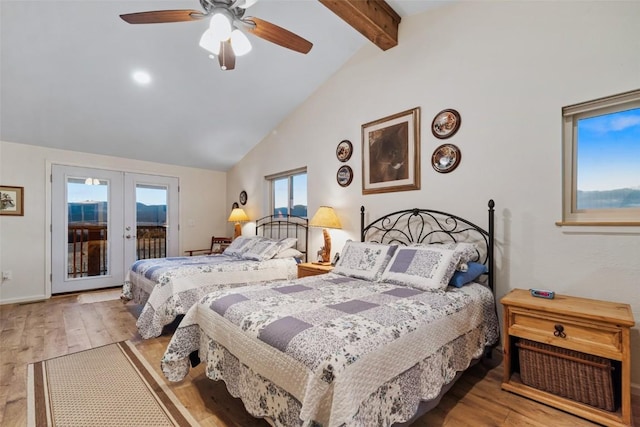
(325, 217)
(237, 215)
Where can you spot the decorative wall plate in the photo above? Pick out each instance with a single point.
(344, 150)
(445, 124)
(344, 176)
(243, 197)
(446, 158)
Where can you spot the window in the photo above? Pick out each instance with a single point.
(289, 193)
(601, 161)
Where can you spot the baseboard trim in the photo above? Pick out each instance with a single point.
(36, 298)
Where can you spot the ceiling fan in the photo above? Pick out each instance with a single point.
(224, 37)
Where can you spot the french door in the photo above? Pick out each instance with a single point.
(103, 221)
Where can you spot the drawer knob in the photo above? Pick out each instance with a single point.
(559, 332)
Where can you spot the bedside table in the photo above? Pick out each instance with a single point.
(310, 269)
(566, 328)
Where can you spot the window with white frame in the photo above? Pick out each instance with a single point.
(289, 193)
(601, 161)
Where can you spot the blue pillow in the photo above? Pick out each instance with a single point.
(461, 278)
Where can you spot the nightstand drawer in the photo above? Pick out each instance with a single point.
(604, 340)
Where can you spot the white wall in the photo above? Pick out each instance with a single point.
(508, 68)
(25, 241)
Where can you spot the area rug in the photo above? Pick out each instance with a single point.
(106, 386)
(99, 296)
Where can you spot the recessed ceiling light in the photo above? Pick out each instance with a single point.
(142, 77)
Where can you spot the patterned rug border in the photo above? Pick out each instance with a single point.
(39, 411)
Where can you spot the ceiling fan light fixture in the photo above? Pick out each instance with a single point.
(220, 26)
(209, 43)
(240, 43)
(247, 3)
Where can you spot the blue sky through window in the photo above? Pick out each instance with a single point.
(608, 155)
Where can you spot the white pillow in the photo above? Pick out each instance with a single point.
(364, 260)
(286, 243)
(289, 253)
(428, 268)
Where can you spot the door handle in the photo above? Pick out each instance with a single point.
(128, 236)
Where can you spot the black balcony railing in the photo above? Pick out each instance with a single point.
(152, 241)
(87, 247)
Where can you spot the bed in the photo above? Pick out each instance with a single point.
(168, 287)
(375, 342)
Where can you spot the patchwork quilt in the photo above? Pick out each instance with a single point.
(334, 350)
(168, 287)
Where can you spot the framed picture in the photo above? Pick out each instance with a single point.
(446, 158)
(243, 197)
(344, 150)
(391, 153)
(11, 200)
(344, 176)
(445, 124)
(234, 205)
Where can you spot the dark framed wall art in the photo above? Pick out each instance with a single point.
(391, 153)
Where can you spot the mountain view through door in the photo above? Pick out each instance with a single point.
(103, 221)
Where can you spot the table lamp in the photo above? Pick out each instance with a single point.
(237, 216)
(325, 217)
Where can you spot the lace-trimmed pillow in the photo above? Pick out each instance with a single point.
(364, 260)
(240, 245)
(428, 268)
(267, 248)
(468, 251)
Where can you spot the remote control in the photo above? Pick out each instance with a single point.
(542, 293)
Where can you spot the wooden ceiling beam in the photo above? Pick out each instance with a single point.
(374, 19)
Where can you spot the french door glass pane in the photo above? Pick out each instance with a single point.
(87, 227)
(151, 221)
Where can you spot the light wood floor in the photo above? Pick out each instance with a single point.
(67, 324)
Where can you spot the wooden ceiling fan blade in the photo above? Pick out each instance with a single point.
(162, 16)
(226, 57)
(278, 35)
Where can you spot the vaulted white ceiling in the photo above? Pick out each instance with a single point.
(66, 78)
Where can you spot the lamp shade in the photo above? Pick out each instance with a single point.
(325, 217)
(238, 215)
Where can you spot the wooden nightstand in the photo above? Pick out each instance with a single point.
(588, 326)
(310, 269)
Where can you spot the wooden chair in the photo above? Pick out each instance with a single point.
(218, 245)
